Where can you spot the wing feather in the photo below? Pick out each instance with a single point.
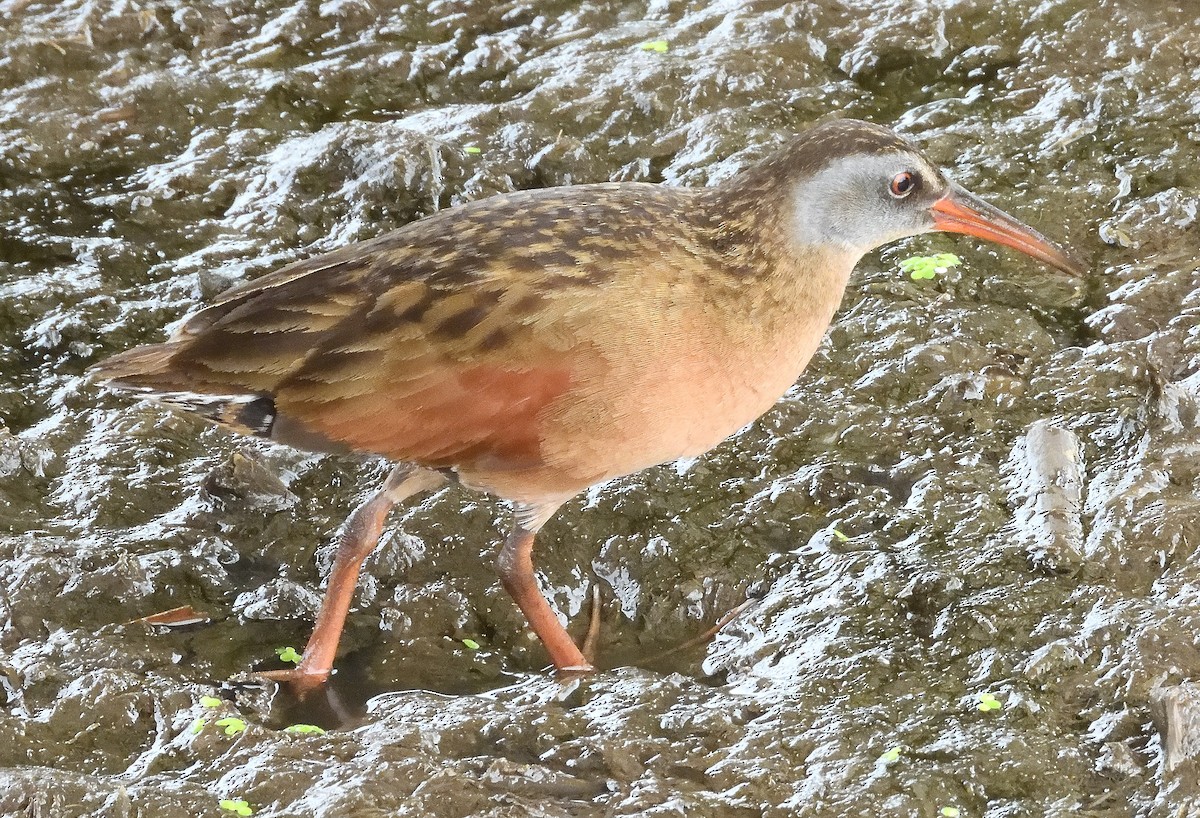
(440, 343)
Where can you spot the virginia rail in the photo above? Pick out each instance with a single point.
(536, 343)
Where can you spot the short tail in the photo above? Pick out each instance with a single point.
(141, 368)
(148, 371)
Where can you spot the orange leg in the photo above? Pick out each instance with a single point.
(358, 538)
(515, 566)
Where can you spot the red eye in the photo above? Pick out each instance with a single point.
(902, 184)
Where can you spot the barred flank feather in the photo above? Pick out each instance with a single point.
(244, 414)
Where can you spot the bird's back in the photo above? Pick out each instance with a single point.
(444, 342)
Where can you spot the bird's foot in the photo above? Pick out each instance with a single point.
(708, 635)
(588, 648)
(592, 637)
(299, 681)
(570, 676)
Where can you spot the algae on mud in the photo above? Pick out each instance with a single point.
(152, 153)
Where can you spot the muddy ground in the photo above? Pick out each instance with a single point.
(970, 530)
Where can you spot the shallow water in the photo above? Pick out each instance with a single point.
(1010, 458)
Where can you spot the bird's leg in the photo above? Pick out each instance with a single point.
(515, 566)
(358, 538)
(592, 637)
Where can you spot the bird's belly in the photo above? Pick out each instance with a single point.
(666, 381)
(685, 413)
(650, 412)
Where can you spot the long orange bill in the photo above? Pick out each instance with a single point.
(962, 212)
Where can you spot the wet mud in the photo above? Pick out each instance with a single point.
(969, 531)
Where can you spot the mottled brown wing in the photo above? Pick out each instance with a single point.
(440, 343)
(440, 376)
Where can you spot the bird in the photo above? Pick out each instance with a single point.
(533, 344)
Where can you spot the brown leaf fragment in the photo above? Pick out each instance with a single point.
(174, 618)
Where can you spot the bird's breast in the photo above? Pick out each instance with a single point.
(672, 387)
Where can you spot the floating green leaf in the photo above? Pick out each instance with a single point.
(236, 805)
(988, 702)
(472, 149)
(657, 46)
(891, 755)
(198, 725)
(949, 812)
(210, 701)
(470, 644)
(304, 728)
(288, 654)
(232, 724)
(840, 536)
(926, 267)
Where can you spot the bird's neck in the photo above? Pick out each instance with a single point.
(774, 280)
(781, 296)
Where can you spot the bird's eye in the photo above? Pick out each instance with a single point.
(902, 184)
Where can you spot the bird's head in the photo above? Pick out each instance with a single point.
(857, 186)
